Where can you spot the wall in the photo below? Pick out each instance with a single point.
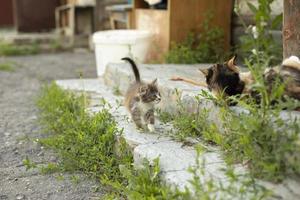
(35, 15)
(6, 13)
(246, 14)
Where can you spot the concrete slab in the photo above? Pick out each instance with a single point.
(175, 158)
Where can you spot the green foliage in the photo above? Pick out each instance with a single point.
(207, 187)
(7, 49)
(29, 164)
(190, 124)
(207, 47)
(257, 135)
(88, 144)
(145, 183)
(117, 91)
(164, 117)
(259, 38)
(85, 143)
(50, 168)
(7, 66)
(56, 45)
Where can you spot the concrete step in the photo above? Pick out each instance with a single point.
(119, 76)
(175, 157)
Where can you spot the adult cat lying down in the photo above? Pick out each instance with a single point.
(227, 79)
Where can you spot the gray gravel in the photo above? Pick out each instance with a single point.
(18, 125)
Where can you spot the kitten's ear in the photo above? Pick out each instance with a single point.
(204, 71)
(232, 66)
(154, 82)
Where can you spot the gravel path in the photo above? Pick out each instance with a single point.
(18, 125)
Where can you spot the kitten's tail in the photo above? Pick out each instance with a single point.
(134, 68)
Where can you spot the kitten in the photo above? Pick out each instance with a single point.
(141, 98)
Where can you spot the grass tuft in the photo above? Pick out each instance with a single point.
(7, 66)
(7, 49)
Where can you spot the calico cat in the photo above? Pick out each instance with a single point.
(141, 98)
(227, 78)
(220, 79)
(289, 73)
(224, 79)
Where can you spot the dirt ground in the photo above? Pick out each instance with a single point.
(18, 126)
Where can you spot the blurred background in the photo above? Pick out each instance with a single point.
(59, 24)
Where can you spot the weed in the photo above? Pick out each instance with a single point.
(7, 49)
(257, 135)
(145, 183)
(164, 116)
(88, 144)
(75, 179)
(207, 187)
(84, 142)
(260, 136)
(258, 37)
(56, 45)
(117, 91)
(50, 168)
(29, 164)
(60, 177)
(7, 66)
(207, 47)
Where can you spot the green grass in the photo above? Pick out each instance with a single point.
(269, 145)
(84, 142)
(88, 144)
(7, 49)
(7, 66)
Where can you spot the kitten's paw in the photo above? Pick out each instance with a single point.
(151, 127)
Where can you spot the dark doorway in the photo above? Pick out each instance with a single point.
(6, 13)
(35, 15)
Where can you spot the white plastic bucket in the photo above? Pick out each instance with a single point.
(111, 46)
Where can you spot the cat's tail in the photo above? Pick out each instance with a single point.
(134, 68)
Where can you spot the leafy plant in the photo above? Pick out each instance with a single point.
(259, 37)
(85, 143)
(89, 144)
(206, 47)
(257, 135)
(260, 137)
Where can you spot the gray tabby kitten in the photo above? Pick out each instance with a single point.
(141, 98)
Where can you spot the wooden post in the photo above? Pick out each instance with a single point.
(291, 28)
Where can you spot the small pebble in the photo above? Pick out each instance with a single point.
(41, 153)
(20, 196)
(7, 134)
